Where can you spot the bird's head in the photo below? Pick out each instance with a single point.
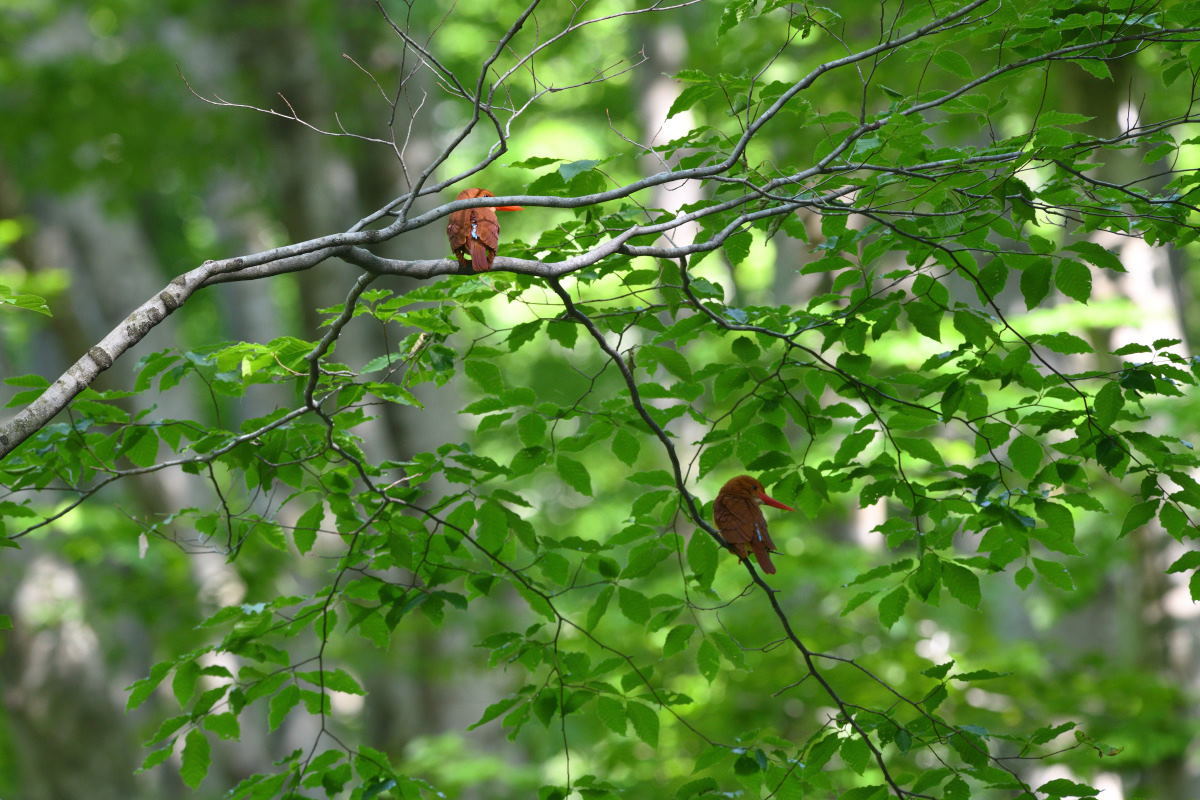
(468, 194)
(752, 488)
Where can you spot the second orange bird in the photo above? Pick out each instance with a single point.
(475, 232)
(741, 522)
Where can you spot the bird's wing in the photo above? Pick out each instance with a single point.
(484, 236)
(738, 519)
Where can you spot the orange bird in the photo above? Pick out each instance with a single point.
(475, 232)
(740, 521)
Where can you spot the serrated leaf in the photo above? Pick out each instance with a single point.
(634, 605)
(575, 475)
(736, 247)
(1035, 282)
(1074, 280)
(612, 713)
(304, 534)
(1139, 515)
(626, 447)
(183, 684)
(494, 710)
(1061, 787)
(284, 701)
(1189, 560)
(962, 583)
(1107, 403)
(689, 97)
(891, 607)
(645, 722)
(1026, 455)
(702, 553)
(853, 445)
(926, 318)
(1059, 534)
(745, 349)
(1062, 342)
(1098, 255)
(1054, 573)
(1173, 520)
(599, 606)
(855, 753)
(196, 758)
(224, 725)
(923, 449)
(531, 428)
(677, 639)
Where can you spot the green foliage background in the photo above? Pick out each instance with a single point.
(915, 327)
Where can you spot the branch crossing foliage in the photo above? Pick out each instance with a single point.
(620, 373)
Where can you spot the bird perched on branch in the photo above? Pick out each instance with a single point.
(740, 521)
(475, 232)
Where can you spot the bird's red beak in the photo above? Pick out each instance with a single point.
(771, 501)
(510, 208)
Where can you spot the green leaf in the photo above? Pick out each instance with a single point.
(1059, 533)
(304, 534)
(336, 680)
(853, 445)
(729, 648)
(962, 583)
(224, 725)
(1054, 573)
(626, 447)
(677, 639)
(564, 332)
(702, 553)
(1098, 255)
(599, 606)
(486, 374)
(140, 690)
(745, 349)
(1107, 403)
(1173, 520)
(926, 318)
(645, 722)
(1035, 282)
(532, 429)
(570, 170)
(283, 702)
(1189, 560)
(575, 474)
(196, 758)
(923, 449)
(855, 753)
(689, 97)
(891, 607)
(1074, 280)
(495, 710)
(736, 247)
(672, 360)
(954, 63)
(1061, 787)
(1026, 455)
(1065, 343)
(1023, 577)
(634, 605)
(184, 682)
(1138, 516)
(612, 713)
